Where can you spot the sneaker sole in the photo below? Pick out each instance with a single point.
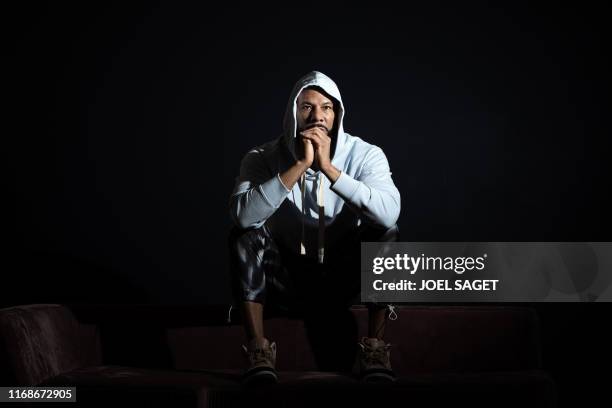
(260, 376)
(379, 376)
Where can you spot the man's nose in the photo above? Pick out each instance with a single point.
(316, 115)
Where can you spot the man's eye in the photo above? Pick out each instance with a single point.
(305, 107)
(327, 107)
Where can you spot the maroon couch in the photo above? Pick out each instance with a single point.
(190, 356)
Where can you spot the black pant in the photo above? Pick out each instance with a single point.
(263, 271)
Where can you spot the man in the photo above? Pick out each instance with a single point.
(302, 204)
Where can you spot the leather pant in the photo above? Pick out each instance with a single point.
(264, 272)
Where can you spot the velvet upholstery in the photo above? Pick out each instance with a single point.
(41, 341)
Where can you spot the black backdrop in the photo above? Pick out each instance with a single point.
(126, 126)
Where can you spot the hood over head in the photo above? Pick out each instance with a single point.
(317, 79)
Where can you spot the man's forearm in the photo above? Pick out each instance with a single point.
(290, 176)
(377, 198)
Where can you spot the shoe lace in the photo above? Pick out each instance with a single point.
(258, 355)
(375, 355)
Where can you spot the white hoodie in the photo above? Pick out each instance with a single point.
(364, 192)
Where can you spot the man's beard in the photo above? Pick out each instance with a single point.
(312, 125)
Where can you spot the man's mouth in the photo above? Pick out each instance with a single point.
(317, 125)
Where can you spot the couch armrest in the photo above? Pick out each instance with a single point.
(38, 342)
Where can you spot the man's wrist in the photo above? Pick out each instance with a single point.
(303, 166)
(331, 172)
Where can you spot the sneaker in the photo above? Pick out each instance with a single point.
(373, 363)
(261, 360)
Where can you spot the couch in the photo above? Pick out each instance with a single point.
(148, 355)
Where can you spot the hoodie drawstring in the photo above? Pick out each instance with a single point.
(321, 204)
(303, 191)
(229, 314)
(392, 314)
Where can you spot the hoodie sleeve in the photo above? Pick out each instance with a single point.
(372, 194)
(256, 195)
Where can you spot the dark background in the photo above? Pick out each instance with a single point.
(126, 126)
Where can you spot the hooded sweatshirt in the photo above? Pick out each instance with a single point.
(315, 213)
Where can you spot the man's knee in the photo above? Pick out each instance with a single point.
(246, 269)
(391, 234)
(247, 240)
(375, 234)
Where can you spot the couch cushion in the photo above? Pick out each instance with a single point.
(41, 341)
(427, 339)
(424, 339)
(219, 347)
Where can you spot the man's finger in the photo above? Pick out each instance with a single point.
(316, 140)
(309, 132)
(309, 136)
(315, 137)
(316, 130)
(320, 132)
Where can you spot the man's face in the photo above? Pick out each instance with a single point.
(314, 109)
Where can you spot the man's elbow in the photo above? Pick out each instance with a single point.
(241, 221)
(389, 221)
(237, 214)
(388, 218)
(243, 216)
